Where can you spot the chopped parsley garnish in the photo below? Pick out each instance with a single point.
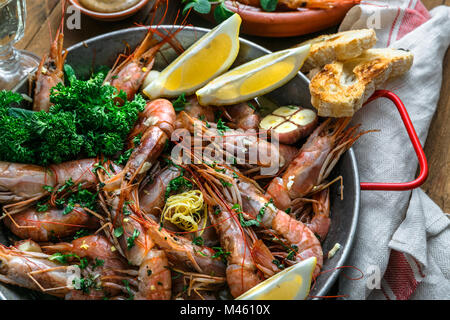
(225, 183)
(253, 222)
(66, 258)
(278, 264)
(59, 203)
(127, 287)
(262, 210)
(48, 188)
(98, 166)
(199, 241)
(180, 103)
(98, 263)
(236, 207)
(85, 284)
(221, 254)
(68, 209)
(82, 197)
(247, 223)
(67, 185)
(63, 258)
(123, 158)
(130, 240)
(137, 139)
(221, 127)
(291, 254)
(83, 263)
(203, 118)
(178, 183)
(125, 211)
(42, 207)
(118, 232)
(81, 233)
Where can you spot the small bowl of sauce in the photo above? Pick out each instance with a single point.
(109, 10)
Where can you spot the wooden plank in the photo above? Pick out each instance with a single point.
(43, 29)
(437, 185)
(430, 4)
(37, 38)
(37, 13)
(437, 146)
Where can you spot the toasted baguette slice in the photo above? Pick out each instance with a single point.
(341, 88)
(340, 46)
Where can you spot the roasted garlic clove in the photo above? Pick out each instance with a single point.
(290, 123)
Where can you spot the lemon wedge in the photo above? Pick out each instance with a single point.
(210, 56)
(292, 283)
(254, 78)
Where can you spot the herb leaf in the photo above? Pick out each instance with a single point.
(222, 13)
(180, 103)
(177, 183)
(201, 6)
(269, 5)
(199, 241)
(118, 232)
(221, 127)
(130, 240)
(221, 254)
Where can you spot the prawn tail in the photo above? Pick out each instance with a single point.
(263, 258)
(114, 183)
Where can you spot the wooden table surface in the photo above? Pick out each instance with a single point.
(45, 16)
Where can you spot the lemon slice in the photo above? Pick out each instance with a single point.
(292, 283)
(254, 78)
(210, 56)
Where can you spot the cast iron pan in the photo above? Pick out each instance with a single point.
(103, 50)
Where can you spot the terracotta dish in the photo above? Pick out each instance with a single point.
(287, 23)
(114, 16)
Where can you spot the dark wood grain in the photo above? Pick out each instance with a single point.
(437, 148)
(430, 4)
(44, 16)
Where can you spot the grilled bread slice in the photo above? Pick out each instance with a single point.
(340, 46)
(341, 88)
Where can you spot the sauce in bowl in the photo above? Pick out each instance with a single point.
(108, 6)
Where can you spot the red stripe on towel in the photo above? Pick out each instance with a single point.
(393, 26)
(412, 19)
(400, 276)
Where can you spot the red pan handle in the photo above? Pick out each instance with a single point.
(415, 142)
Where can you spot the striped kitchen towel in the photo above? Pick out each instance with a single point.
(403, 238)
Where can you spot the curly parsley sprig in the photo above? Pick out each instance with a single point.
(85, 120)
